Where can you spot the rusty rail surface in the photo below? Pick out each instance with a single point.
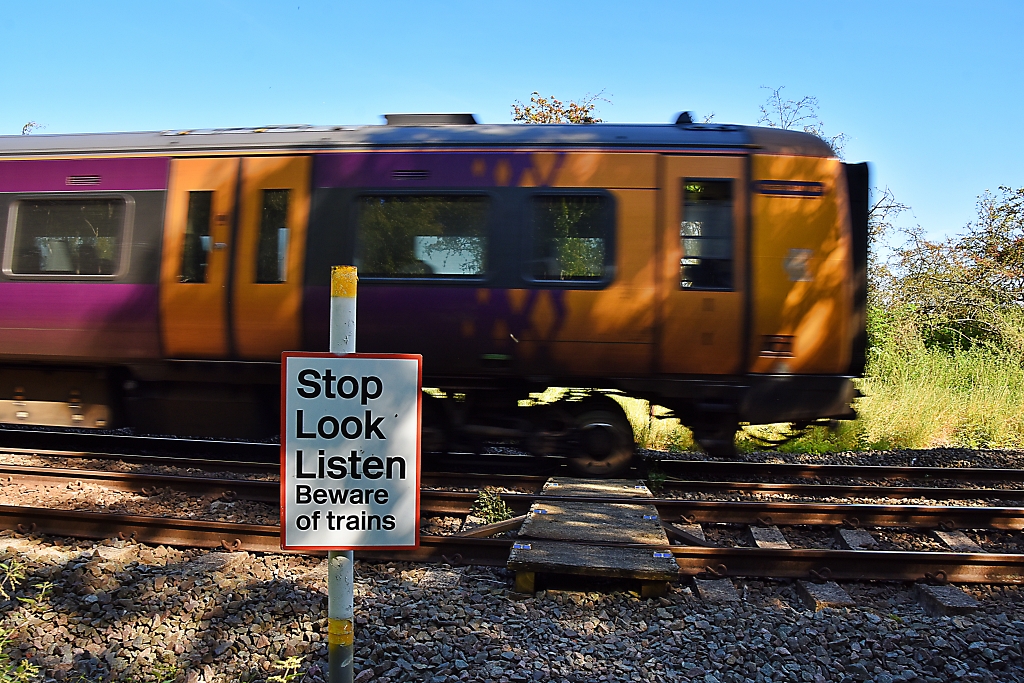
(851, 565)
(229, 536)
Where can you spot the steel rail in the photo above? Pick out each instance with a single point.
(846, 490)
(247, 489)
(847, 514)
(203, 464)
(457, 550)
(689, 468)
(458, 503)
(850, 565)
(229, 536)
(260, 456)
(125, 444)
(260, 490)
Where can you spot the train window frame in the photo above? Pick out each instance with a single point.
(125, 237)
(609, 223)
(447, 280)
(733, 185)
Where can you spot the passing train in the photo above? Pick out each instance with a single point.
(150, 281)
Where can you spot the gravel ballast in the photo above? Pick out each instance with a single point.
(127, 612)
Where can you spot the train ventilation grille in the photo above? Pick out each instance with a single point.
(82, 180)
(410, 175)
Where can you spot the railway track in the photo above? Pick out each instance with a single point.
(436, 501)
(692, 560)
(250, 457)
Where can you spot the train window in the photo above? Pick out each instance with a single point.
(570, 235)
(272, 256)
(421, 236)
(705, 235)
(197, 237)
(69, 237)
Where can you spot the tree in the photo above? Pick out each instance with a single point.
(550, 110)
(793, 114)
(30, 127)
(968, 289)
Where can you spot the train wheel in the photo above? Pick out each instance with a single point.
(604, 444)
(718, 442)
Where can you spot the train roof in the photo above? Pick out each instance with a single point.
(468, 136)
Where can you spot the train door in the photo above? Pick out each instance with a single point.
(263, 303)
(196, 258)
(266, 296)
(703, 265)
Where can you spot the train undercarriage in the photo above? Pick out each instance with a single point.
(587, 426)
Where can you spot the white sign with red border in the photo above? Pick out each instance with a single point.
(350, 451)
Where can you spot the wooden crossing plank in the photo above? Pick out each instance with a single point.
(594, 523)
(565, 486)
(565, 537)
(557, 557)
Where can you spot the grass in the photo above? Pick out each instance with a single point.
(918, 397)
(914, 397)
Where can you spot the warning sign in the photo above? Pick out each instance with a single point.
(350, 451)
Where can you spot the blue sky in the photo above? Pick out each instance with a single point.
(931, 93)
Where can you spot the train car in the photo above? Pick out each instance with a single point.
(151, 280)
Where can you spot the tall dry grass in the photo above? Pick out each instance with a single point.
(918, 397)
(914, 397)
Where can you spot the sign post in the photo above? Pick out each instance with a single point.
(350, 459)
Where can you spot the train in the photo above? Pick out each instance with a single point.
(150, 281)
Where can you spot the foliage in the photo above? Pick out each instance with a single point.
(652, 428)
(10, 672)
(398, 235)
(918, 396)
(489, 506)
(550, 110)
(962, 291)
(290, 670)
(45, 589)
(569, 243)
(655, 477)
(803, 114)
(12, 572)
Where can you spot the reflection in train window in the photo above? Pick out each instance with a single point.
(421, 236)
(569, 237)
(272, 257)
(705, 235)
(196, 252)
(78, 236)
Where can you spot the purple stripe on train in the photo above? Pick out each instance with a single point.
(426, 169)
(79, 320)
(84, 175)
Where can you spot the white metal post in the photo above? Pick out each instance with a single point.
(340, 577)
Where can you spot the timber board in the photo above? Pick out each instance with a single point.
(594, 523)
(566, 486)
(557, 557)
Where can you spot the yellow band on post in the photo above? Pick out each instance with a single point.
(343, 282)
(339, 631)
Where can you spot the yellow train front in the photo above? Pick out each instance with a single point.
(716, 270)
